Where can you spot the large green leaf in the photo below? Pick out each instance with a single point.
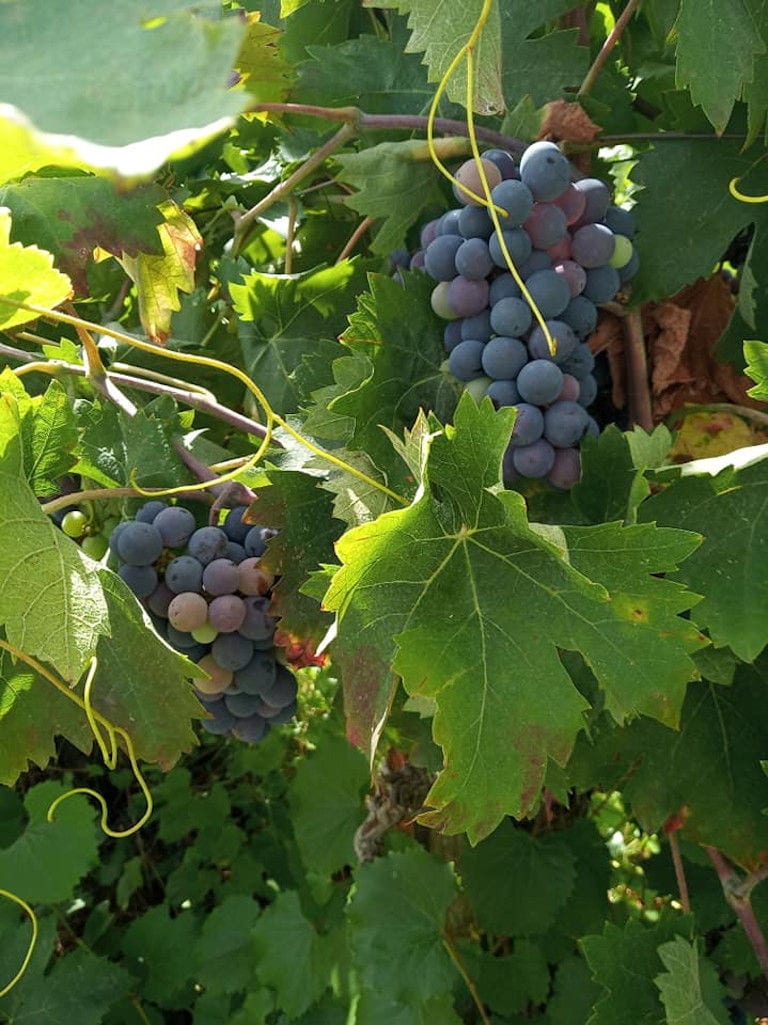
(48, 433)
(157, 947)
(470, 604)
(690, 989)
(156, 82)
(539, 64)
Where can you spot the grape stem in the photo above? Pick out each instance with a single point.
(605, 50)
(92, 494)
(638, 390)
(682, 882)
(738, 891)
(228, 495)
(354, 238)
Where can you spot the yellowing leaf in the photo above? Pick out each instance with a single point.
(261, 67)
(27, 275)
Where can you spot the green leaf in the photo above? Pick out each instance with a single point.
(48, 860)
(731, 512)
(457, 589)
(326, 805)
(573, 993)
(288, 320)
(690, 989)
(225, 952)
(262, 69)
(625, 963)
(27, 275)
(511, 984)
(539, 64)
(157, 948)
(703, 30)
(517, 883)
(396, 918)
(376, 1008)
(166, 90)
(287, 947)
(49, 433)
(395, 182)
(71, 216)
(756, 354)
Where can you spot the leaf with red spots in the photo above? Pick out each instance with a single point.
(469, 603)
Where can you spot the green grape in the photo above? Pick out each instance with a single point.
(94, 545)
(74, 523)
(205, 634)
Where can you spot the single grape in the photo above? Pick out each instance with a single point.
(504, 161)
(231, 651)
(452, 334)
(175, 525)
(502, 358)
(581, 315)
(597, 196)
(205, 634)
(160, 599)
(259, 675)
(574, 275)
(572, 202)
(580, 363)
(534, 460)
(563, 337)
(142, 580)
(233, 525)
(448, 224)
(545, 225)
(468, 176)
(253, 578)
(140, 544)
(540, 382)
(440, 257)
(571, 389)
(284, 691)
(439, 302)
(474, 222)
(251, 730)
(477, 327)
(587, 391)
(472, 259)
(565, 423)
(114, 537)
(465, 361)
(220, 577)
(511, 317)
(518, 246)
(620, 221)
(529, 425)
(545, 170)
(222, 722)
(593, 245)
(150, 510)
(234, 552)
(538, 260)
(622, 252)
(503, 393)
(566, 468)
(226, 613)
(429, 233)
(515, 199)
(184, 574)
(74, 523)
(220, 678)
(255, 543)
(549, 291)
(466, 297)
(207, 544)
(503, 287)
(95, 546)
(188, 611)
(257, 624)
(602, 284)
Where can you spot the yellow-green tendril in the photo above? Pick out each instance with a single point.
(32, 939)
(109, 754)
(206, 361)
(486, 199)
(733, 188)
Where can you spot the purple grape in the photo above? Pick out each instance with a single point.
(251, 730)
(546, 225)
(285, 689)
(572, 203)
(587, 391)
(440, 257)
(465, 361)
(597, 196)
(580, 363)
(234, 552)
(540, 382)
(140, 544)
(518, 245)
(220, 577)
(511, 317)
(417, 261)
(256, 541)
(114, 537)
(534, 460)
(602, 284)
(503, 393)
(222, 722)
(181, 640)
(149, 511)
(175, 525)
(184, 574)
(593, 245)
(283, 715)
(549, 292)
(565, 424)
(566, 468)
(226, 613)
(452, 333)
(207, 544)
(242, 705)
(477, 327)
(231, 651)
(620, 221)
(259, 675)
(473, 260)
(538, 260)
(467, 298)
(529, 425)
(545, 170)
(429, 232)
(449, 223)
(257, 624)
(160, 599)
(502, 358)
(515, 198)
(142, 580)
(574, 275)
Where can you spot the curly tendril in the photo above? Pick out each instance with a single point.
(733, 188)
(486, 200)
(32, 939)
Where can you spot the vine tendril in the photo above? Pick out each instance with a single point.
(29, 912)
(735, 191)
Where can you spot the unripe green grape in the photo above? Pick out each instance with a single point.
(439, 300)
(74, 523)
(622, 252)
(477, 387)
(205, 634)
(95, 545)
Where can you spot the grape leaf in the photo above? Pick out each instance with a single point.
(715, 84)
(287, 946)
(71, 216)
(538, 64)
(48, 433)
(288, 320)
(157, 947)
(159, 279)
(458, 588)
(27, 275)
(376, 1008)
(326, 805)
(517, 883)
(262, 68)
(511, 984)
(686, 222)
(625, 963)
(48, 860)
(731, 511)
(756, 354)
(51, 604)
(690, 989)
(225, 950)
(397, 915)
(439, 28)
(395, 182)
(166, 90)
(573, 993)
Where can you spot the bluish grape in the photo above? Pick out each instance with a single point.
(629, 270)
(417, 260)
(429, 232)
(175, 525)
(518, 245)
(581, 315)
(465, 361)
(477, 327)
(283, 715)
(181, 640)
(142, 580)
(159, 600)
(503, 393)
(234, 552)
(597, 196)
(207, 544)
(241, 705)
(467, 175)
(503, 287)
(226, 613)
(467, 298)
(257, 624)
(196, 653)
(399, 258)
(508, 472)
(580, 363)
(474, 222)
(566, 468)
(545, 170)
(252, 578)
(571, 389)
(284, 691)
(593, 245)
(504, 161)
(440, 257)
(511, 317)
(149, 511)
(602, 284)
(562, 335)
(572, 202)
(222, 721)
(502, 358)
(545, 225)
(593, 428)
(452, 333)
(473, 260)
(140, 544)
(534, 460)
(259, 675)
(184, 574)
(114, 537)
(587, 391)
(256, 541)
(620, 221)
(565, 423)
(234, 526)
(549, 291)
(251, 730)
(231, 651)
(574, 275)
(448, 224)
(540, 382)
(187, 611)
(529, 425)
(515, 198)
(538, 260)
(220, 577)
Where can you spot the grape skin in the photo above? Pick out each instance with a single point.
(503, 393)
(562, 335)
(546, 225)
(472, 259)
(188, 611)
(565, 423)
(545, 170)
(581, 315)
(142, 580)
(518, 245)
(549, 291)
(149, 511)
(257, 625)
(511, 317)
(220, 677)
(226, 613)
(233, 525)
(242, 705)
(468, 176)
(602, 284)
(534, 460)
(184, 574)
(529, 425)
(220, 577)
(540, 382)
(251, 730)
(207, 544)
(503, 357)
(284, 691)
(467, 298)
(231, 651)
(477, 327)
(139, 544)
(259, 675)
(566, 469)
(440, 257)
(465, 361)
(253, 578)
(160, 599)
(515, 199)
(593, 245)
(175, 524)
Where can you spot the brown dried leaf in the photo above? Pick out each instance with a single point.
(568, 122)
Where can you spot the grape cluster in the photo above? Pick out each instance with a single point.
(573, 250)
(208, 596)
